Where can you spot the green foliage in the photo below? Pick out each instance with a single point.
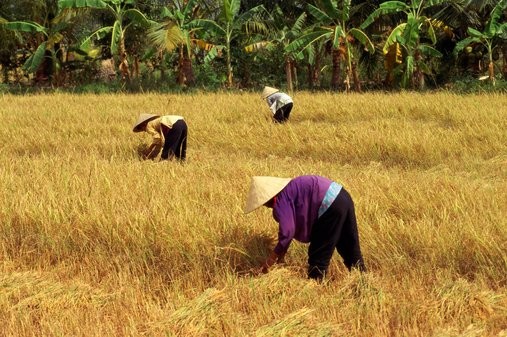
(64, 4)
(469, 85)
(35, 60)
(408, 35)
(27, 27)
(230, 26)
(233, 36)
(493, 31)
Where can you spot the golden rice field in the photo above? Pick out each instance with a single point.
(96, 242)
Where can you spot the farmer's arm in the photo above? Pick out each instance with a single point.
(156, 144)
(284, 213)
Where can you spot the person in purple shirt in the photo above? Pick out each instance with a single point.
(311, 209)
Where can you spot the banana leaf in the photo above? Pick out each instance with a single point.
(34, 61)
(321, 15)
(116, 37)
(493, 24)
(388, 7)
(363, 39)
(63, 4)
(25, 26)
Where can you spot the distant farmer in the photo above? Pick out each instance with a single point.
(311, 209)
(169, 133)
(280, 104)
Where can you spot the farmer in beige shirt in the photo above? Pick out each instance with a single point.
(169, 133)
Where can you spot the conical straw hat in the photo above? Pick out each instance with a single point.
(262, 189)
(268, 91)
(142, 119)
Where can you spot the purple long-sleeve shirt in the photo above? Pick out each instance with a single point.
(296, 209)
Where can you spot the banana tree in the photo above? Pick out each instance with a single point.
(407, 35)
(333, 27)
(177, 31)
(49, 38)
(229, 26)
(493, 31)
(285, 31)
(122, 11)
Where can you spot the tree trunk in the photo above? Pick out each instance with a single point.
(124, 64)
(294, 71)
(245, 74)
(188, 70)
(309, 70)
(347, 80)
(504, 52)
(316, 70)
(335, 77)
(135, 70)
(181, 75)
(419, 81)
(229, 65)
(355, 75)
(288, 73)
(5, 73)
(491, 70)
(45, 70)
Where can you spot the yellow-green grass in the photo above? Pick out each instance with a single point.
(96, 242)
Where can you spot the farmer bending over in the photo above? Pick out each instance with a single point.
(311, 209)
(280, 104)
(169, 132)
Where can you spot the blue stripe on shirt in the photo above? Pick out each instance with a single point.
(331, 194)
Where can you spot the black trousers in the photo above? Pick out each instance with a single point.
(175, 141)
(335, 229)
(282, 114)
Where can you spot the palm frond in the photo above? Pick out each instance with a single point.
(166, 35)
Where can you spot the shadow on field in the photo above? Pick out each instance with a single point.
(246, 256)
(141, 150)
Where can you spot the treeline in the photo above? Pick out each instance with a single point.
(340, 45)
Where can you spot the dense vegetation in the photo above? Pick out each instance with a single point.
(334, 45)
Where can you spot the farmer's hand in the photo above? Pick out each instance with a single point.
(281, 258)
(271, 260)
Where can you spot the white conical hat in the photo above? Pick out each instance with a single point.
(267, 91)
(262, 189)
(142, 119)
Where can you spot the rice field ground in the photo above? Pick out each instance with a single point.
(96, 242)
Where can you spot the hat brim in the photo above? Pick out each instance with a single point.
(268, 91)
(140, 124)
(263, 189)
